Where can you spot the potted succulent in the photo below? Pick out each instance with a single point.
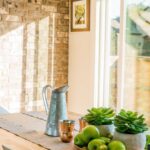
(102, 118)
(130, 129)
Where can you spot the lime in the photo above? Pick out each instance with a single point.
(116, 145)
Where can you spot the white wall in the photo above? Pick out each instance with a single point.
(81, 67)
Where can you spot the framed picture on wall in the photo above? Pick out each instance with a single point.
(80, 15)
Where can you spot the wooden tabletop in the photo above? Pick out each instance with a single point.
(26, 132)
(14, 142)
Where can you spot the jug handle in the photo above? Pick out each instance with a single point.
(45, 97)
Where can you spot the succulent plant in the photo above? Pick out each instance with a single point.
(147, 142)
(130, 122)
(100, 116)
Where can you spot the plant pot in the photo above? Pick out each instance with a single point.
(131, 141)
(106, 130)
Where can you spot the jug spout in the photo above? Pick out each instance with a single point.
(62, 89)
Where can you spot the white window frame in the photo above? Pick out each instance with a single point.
(121, 57)
(104, 61)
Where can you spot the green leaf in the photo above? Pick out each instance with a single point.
(130, 122)
(100, 116)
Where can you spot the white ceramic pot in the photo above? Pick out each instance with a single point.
(106, 130)
(132, 141)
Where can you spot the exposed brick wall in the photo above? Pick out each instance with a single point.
(33, 50)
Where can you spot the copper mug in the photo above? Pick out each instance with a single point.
(82, 123)
(66, 130)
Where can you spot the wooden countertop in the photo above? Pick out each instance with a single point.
(14, 142)
(26, 132)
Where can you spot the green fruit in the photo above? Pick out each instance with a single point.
(116, 145)
(105, 139)
(103, 147)
(110, 136)
(90, 132)
(95, 144)
(78, 140)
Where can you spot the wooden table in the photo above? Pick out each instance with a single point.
(19, 132)
(16, 143)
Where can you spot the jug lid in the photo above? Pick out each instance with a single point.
(61, 89)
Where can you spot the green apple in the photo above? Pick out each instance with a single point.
(103, 147)
(78, 140)
(116, 145)
(105, 139)
(96, 144)
(90, 132)
(110, 136)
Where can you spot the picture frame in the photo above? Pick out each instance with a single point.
(80, 15)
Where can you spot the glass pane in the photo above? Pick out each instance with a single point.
(115, 27)
(113, 86)
(137, 59)
(115, 30)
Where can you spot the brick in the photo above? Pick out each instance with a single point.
(49, 8)
(26, 52)
(13, 18)
(63, 10)
(3, 11)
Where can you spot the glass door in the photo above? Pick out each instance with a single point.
(124, 55)
(137, 58)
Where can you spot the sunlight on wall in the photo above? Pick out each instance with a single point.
(11, 50)
(42, 74)
(25, 51)
(32, 35)
(30, 65)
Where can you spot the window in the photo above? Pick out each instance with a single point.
(123, 54)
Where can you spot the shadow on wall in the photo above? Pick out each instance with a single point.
(27, 55)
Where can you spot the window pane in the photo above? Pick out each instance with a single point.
(115, 26)
(115, 31)
(137, 59)
(113, 86)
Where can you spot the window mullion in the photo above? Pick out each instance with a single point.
(101, 48)
(107, 52)
(121, 58)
